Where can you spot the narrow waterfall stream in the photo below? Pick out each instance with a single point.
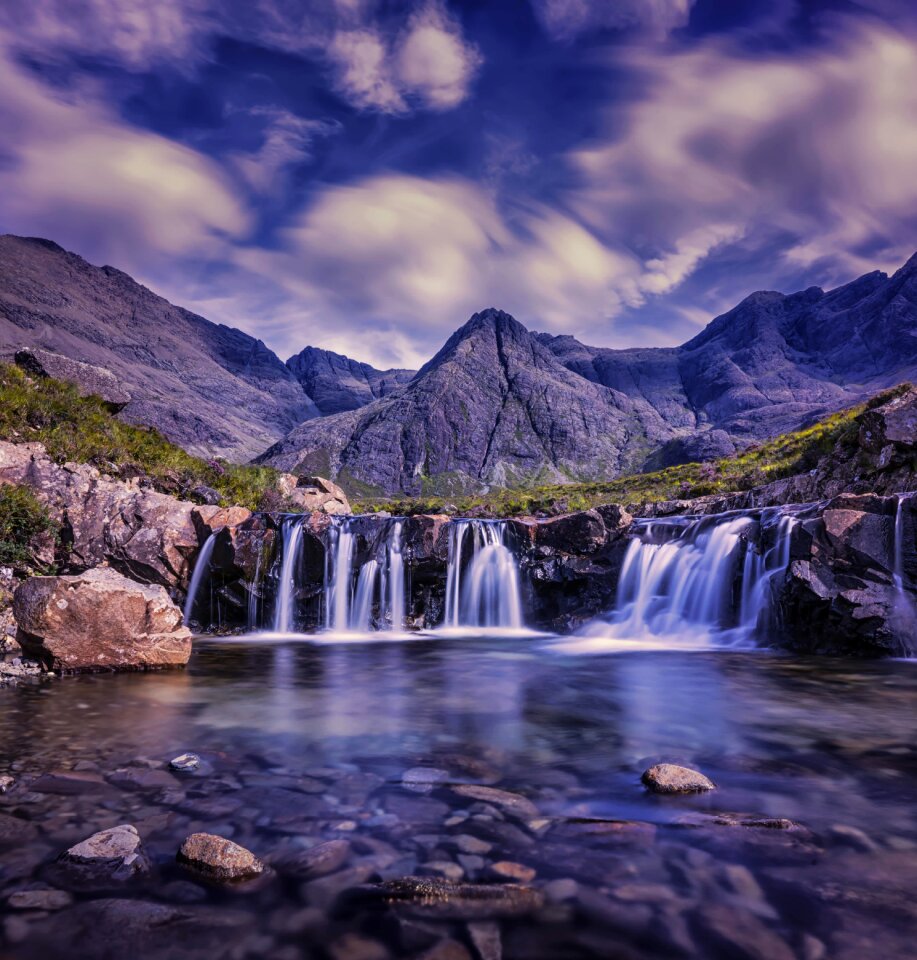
(201, 570)
(696, 582)
(291, 547)
(359, 600)
(482, 590)
(905, 613)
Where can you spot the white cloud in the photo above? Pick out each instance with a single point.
(428, 62)
(820, 148)
(76, 173)
(567, 19)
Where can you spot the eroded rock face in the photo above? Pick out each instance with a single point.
(99, 620)
(841, 596)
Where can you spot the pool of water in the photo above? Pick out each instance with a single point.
(806, 849)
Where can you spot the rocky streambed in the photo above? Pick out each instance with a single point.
(461, 800)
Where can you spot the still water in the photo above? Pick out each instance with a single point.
(807, 849)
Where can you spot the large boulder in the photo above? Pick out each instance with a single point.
(89, 379)
(99, 620)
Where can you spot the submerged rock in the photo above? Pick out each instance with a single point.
(185, 762)
(218, 858)
(671, 778)
(99, 620)
(444, 899)
(510, 803)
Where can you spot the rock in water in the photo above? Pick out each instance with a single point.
(187, 761)
(99, 620)
(671, 778)
(109, 855)
(219, 858)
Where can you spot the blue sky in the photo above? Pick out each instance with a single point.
(362, 175)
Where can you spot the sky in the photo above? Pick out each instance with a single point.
(363, 175)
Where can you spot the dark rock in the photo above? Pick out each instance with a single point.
(741, 934)
(317, 861)
(41, 899)
(99, 620)
(218, 859)
(430, 897)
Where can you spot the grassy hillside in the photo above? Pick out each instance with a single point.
(82, 430)
(784, 456)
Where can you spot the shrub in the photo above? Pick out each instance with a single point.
(22, 518)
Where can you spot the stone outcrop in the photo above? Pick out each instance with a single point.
(87, 378)
(313, 494)
(99, 620)
(841, 595)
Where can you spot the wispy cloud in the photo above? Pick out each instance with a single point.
(567, 19)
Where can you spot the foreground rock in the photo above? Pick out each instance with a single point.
(443, 899)
(114, 855)
(218, 858)
(671, 778)
(99, 620)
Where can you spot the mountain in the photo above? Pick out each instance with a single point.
(210, 388)
(493, 405)
(501, 405)
(336, 383)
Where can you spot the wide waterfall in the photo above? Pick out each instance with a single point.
(357, 600)
(697, 581)
(201, 570)
(482, 579)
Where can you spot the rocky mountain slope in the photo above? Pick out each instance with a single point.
(498, 404)
(336, 383)
(493, 404)
(770, 364)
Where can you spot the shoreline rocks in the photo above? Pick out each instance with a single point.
(99, 620)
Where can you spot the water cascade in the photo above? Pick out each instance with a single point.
(905, 612)
(201, 570)
(351, 595)
(482, 591)
(291, 547)
(698, 581)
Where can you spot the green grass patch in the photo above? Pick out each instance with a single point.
(22, 519)
(784, 456)
(83, 430)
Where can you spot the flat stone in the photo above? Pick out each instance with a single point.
(469, 844)
(434, 898)
(45, 899)
(441, 868)
(671, 778)
(219, 858)
(423, 779)
(510, 803)
(504, 870)
(317, 861)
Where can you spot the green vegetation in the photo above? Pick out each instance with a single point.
(22, 519)
(83, 430)
(762, 463)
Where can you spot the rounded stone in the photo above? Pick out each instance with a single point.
(117, 853)
(219, 858)
(671, 778)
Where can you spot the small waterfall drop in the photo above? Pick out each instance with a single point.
(697, 581)
(482, 592)
(904, 619)
(353, 594)
(201, 570)
(291, 546)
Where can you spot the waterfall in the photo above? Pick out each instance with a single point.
(904, 617)
(201, 570)
(291, 546)
(482, 592)
(697, 581)
(380, 581)
(252, 618)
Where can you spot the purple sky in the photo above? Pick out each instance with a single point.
(363, 175)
